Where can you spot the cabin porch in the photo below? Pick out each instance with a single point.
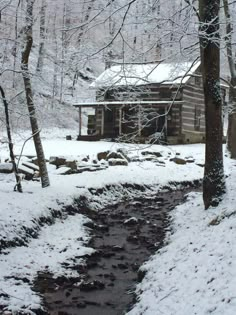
(134, 120)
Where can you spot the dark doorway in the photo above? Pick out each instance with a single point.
(110, 129)
(155, 122)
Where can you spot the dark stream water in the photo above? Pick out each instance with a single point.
(122, 245)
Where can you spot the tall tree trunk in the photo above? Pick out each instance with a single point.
(79, 40)
(63, 50)
(10, 143)
(14, 52)
(42, 37)
(55, 65)
(231, 141)
(28, 41)
(213, 182)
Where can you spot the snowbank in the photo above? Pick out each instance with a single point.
(194, 273)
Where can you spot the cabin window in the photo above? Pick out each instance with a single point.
(197, 118)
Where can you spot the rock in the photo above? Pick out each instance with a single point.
(135, 158)
(160, 162)
(102, 227)
(92, 285)
(131, 221)
(90, 224)
(200, 164)
(29, 173)
(68, 137)
(63, 170)
(117, 248)
(103, 162)
(215, 221)
(123, 266)
(85, 159)
(116, 158)
(190, 160)
(90, 168)
(178, 160)
(81, 305)
(146, 152)
(102, 155)
(141, 274)
(57, 161)
(31, 165)
(124, 153)
(148, 158)
(34, 160)
(6, 168)
(115, 155)
(72, 164)
(114, 162)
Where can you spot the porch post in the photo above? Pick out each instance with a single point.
(166, 122)
(80, 120)
(139, 120)
(180, 119)
(102, 122)
(120, 120)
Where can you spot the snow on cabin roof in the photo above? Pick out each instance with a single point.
(141, 74)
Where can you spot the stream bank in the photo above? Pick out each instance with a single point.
(124, 237)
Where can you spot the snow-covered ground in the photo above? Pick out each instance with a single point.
(193, 274)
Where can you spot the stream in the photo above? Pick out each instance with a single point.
(124, 236)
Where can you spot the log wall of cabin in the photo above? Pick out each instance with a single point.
(99, 119)
(193, 111)
(174, 121)
(101, 126)
(150, 92)
(157, 92)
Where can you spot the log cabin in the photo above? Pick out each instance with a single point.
(149, 103)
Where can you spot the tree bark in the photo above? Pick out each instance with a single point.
(63, 50)
(213, 181)
(42, 37)
(79, 40)
(28, 41)
(14, 50)
(231, 139)
(10, 143)
(55, 70)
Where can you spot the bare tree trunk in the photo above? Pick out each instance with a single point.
(63, 50)
(10, 143)
(213, 182)
(14, 52)
(79, 39)
(55, 70)
(231, 141)
(135, 35)
(231, 133)
(28, 41)
(42, 37)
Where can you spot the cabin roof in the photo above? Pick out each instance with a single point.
(143, 74)
(126, 102)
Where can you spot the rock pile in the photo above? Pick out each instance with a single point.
(84, 163)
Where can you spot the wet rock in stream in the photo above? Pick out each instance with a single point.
(124, 237)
